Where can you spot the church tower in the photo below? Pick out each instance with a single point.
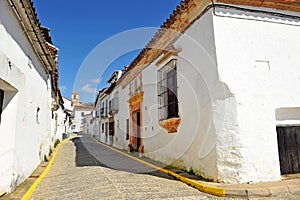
(75, 98)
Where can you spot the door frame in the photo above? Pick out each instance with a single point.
(135, 106)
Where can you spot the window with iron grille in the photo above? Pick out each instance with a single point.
(109, 106)
(167, 91)
(106, 108)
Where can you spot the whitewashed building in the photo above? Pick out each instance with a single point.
(216, 90)
(68, 110)
(29, 96)
(105, 110)
(79, 110)
(101, 109)
(63, 121)
(87, 124)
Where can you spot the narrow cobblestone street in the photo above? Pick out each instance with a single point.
(84, 169)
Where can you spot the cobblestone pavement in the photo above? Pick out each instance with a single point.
(84, 169)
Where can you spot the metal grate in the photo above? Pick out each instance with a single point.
(167, 91)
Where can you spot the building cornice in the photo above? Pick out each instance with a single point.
(289, 5)
(181, 18)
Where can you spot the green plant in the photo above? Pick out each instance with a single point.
(56, 143)
(191, 171)
(50, 152)
(45, 158)
(129, 148)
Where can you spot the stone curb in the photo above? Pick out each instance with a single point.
(262, 192)
(221, 191)
(246, 193)
(202, 187)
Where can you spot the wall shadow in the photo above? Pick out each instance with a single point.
(85, 158)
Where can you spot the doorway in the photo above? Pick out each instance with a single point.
(111, 129)
(288, 138)
(136, 129)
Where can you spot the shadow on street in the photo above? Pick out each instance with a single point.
(90, 153)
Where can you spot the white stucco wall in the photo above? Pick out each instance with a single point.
(87, 126)
(102, 120)
(62, 125)
(97, 129)
(67, 104)
(193, 146)
(120, 118)
(237, 79)
(19, 127)
(77, 119)
(258, 61)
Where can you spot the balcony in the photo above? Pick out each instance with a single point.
(113, 107)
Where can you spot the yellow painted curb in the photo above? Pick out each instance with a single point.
(221, 192)
(36, 183)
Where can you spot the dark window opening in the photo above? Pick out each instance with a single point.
(127, 129)
(106, 108)
(109, 106)
(1, 102)
(38, 115)
(106, 128)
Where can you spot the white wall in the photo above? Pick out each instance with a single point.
(62, 125)
(258, 60)
(193, 146)
(77, 119)
(87, 126)
(120, 118)
(103, 137)
(231, 89)
(19, 128)
(67, 104)
(97, 129)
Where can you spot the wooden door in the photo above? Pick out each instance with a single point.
(289, 149)
(136, 129)
(111, 128)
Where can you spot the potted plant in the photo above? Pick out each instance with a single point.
(141, 150)
(129, 148)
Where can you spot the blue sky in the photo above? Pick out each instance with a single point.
(77, 27)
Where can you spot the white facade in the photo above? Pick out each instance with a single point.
(28, 126)
(87, 124)
(78, 113)
(62, 123)
(237, 79)
(260, 80)
(68, 105)
(25, 119)
(102, 126)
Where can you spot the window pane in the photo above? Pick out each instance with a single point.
(167, 91)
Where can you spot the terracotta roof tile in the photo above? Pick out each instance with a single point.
(186, 6)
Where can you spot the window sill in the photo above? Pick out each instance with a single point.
(171, 124)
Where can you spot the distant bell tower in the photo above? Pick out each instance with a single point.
(75, 98)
